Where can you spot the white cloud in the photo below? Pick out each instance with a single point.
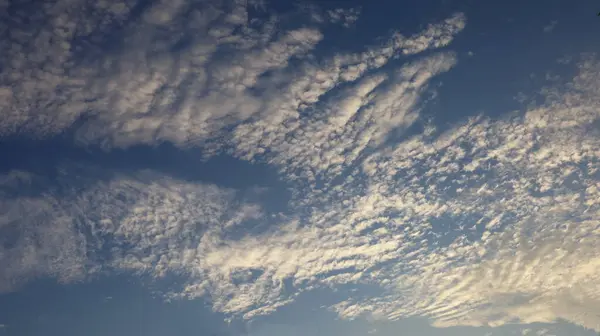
(526, 186)
(145, 223)
(39, 237)
(355, 119)
(345, 16)
(512, 251)
(140, 92)
(489, 222)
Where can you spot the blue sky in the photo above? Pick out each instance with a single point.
(227, 167)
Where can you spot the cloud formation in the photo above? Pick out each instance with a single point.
(486, 222)
(161, 76)
(520, 193)
(146, 223)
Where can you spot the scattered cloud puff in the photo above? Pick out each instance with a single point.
(550, 27)
(347, 17)
(38, 237)
(486, 222)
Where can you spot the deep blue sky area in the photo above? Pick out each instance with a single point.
(507, 41)
(314, 240)
(113, 306)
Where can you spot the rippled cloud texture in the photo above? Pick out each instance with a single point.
(489, 221)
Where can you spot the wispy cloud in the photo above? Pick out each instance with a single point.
(347, 17)
(521, 196)
(550, 27)
(487, 222)
(128, 223)
(165, 79)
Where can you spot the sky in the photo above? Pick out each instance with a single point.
(283, 168)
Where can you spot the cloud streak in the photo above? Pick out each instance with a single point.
(165, 78)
